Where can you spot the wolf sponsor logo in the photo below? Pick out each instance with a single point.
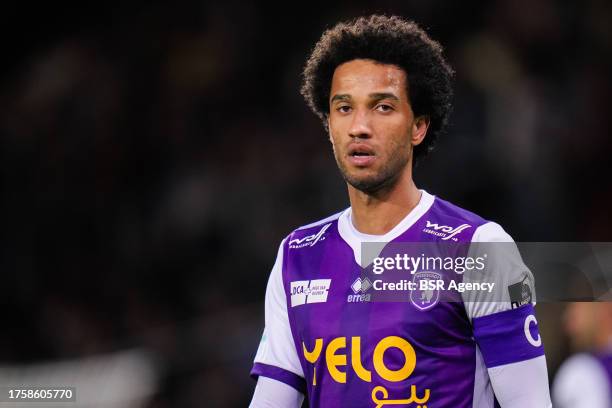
(427, 292)
(444, 231)
(360, 287)
(309, 291)
(309, 240)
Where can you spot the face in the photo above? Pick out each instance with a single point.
(371, 124)
(580, 324)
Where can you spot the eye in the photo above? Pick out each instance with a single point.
(384, 108)
(343, 109)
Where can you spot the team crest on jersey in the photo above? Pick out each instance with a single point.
(425, 299)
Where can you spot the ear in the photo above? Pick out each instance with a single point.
(419, 129)
(327, 126)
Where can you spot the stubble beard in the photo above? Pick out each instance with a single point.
(383, 180)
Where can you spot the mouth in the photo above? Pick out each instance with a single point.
(361, 155)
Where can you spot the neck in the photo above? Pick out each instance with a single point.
(377, 213)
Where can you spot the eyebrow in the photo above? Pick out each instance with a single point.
(341, 97)
(376, 96)
(383, 95)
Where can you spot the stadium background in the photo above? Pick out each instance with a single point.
(154, 154)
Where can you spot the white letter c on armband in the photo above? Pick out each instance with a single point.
(534, 342)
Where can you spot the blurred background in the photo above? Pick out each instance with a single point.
(154, 154)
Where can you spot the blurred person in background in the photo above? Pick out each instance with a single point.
(383, 90)
(585, 379)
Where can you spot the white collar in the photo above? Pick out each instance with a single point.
(354, 238)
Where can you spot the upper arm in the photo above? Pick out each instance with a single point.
(514, 282)
(271, 393)
(276, 356)
(504, 323)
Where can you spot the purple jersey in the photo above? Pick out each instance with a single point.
(328, 337)
(605, 359)
(585, 380)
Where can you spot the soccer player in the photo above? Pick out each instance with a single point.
(585, 379)
(383, 91)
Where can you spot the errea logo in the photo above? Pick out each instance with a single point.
(309, 291)
(360, 288)
(444, 231)
(309, 240)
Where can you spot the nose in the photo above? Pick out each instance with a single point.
(360, 125)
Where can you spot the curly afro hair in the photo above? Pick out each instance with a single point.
(388, 40)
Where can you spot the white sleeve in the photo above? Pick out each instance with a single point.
(522, 384)
(276, 356)
(580, 383)
(270, 393)
(504, 267)
(504, 322)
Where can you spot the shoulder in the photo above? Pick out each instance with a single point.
(581, 374)
(310, 234)
(580, 365)
(491, 232)
(447, 210)
(315, 224)
(445, 213)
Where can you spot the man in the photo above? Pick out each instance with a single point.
(585, 379)
(382, 89)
